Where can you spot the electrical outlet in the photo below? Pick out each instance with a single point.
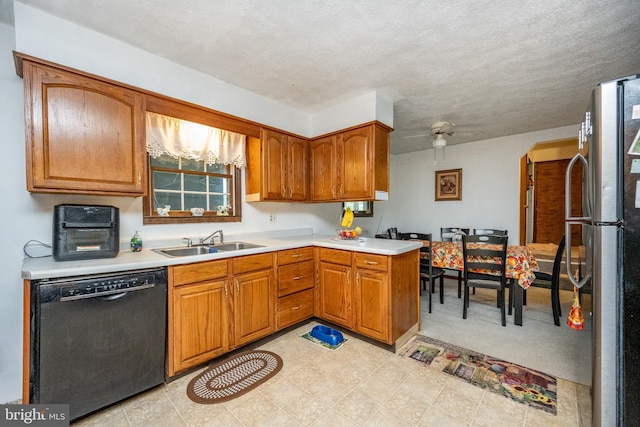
(272, 217)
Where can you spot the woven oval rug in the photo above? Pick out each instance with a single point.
(234, 377)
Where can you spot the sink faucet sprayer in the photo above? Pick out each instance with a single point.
(212, 237)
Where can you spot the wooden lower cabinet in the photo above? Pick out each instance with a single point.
(216, 306)
(374, 295)
(253, 306)
(296, 282)
(372, 304)
(335, 299)
(198, 325)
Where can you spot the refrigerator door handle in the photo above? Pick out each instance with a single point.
(584, 220)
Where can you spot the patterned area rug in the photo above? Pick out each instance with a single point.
(234, 377)
(516, 382)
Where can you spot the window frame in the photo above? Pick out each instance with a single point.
(194, 113)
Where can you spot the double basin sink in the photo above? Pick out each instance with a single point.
(180, 251)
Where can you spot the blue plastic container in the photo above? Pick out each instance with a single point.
(326, 334)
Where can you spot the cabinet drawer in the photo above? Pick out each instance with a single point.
(295, 277)
(252, 263)
(294, 308)
(295, 255)
(198, 272)
(370, 261)
(335, 256)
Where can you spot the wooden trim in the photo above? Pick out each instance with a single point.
(523, 199)
(361, 125)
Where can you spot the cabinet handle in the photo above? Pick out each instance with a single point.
(226, 291)
(371, 262)
(283, 191)
(295, 256)
(348, 276)
(297, 307)
(237, 287)
(333, 191)
(298, 277)
(358, 279)
(341, 192)
(290, 192)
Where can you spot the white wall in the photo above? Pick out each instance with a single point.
(490, 186)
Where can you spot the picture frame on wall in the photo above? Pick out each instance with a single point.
(449, 185)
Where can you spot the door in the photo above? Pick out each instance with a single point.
(372, 304)
(335, 294)
(549, 199)
(198, 326)
(253, 306)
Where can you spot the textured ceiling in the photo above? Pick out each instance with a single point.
(494, 68)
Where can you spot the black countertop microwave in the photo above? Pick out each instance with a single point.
(85, 232)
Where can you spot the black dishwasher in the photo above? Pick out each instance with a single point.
(98, 339)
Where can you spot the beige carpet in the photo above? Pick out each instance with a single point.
(538, 343)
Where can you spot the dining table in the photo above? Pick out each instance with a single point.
(521, 267)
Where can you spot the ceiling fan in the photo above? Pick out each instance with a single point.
(440, 130)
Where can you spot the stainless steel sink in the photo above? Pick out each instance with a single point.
(236, 246)
(180, 251)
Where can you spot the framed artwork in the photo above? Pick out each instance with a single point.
(449, 185)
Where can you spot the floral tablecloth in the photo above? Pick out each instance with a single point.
(521, 263)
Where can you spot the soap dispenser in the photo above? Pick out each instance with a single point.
(136, 243)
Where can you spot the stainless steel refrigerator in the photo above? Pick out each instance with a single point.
(606, 224)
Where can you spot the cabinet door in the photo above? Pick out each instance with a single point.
(253, 304)
(324, 174)
(198, 324)
(274, 161)
(298, 169)
(357, 170)
(335, 294)
(83, 135)
(372, 304)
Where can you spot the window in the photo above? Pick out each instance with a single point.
(194, 169)
(361, 209)
(186, 184)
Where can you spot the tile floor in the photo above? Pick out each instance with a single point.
(359, 384)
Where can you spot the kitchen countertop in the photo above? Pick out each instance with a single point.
(46, 267)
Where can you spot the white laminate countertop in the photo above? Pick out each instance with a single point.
(47, 268)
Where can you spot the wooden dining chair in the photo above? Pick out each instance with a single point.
(490, 231)
(428, 273)
(485, 260)
(446, 235)
(551, 282)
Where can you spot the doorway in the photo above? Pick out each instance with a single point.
(542, 191)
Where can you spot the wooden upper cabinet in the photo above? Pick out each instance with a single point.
(278, 167)
(83, 135)
(297, 169)
(351, 165)
(323, 169)
(357, 164)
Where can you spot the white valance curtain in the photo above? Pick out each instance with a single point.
(180, 138)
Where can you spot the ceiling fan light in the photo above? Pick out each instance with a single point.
(439, 141)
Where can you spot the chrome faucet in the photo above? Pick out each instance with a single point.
(212, 236)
